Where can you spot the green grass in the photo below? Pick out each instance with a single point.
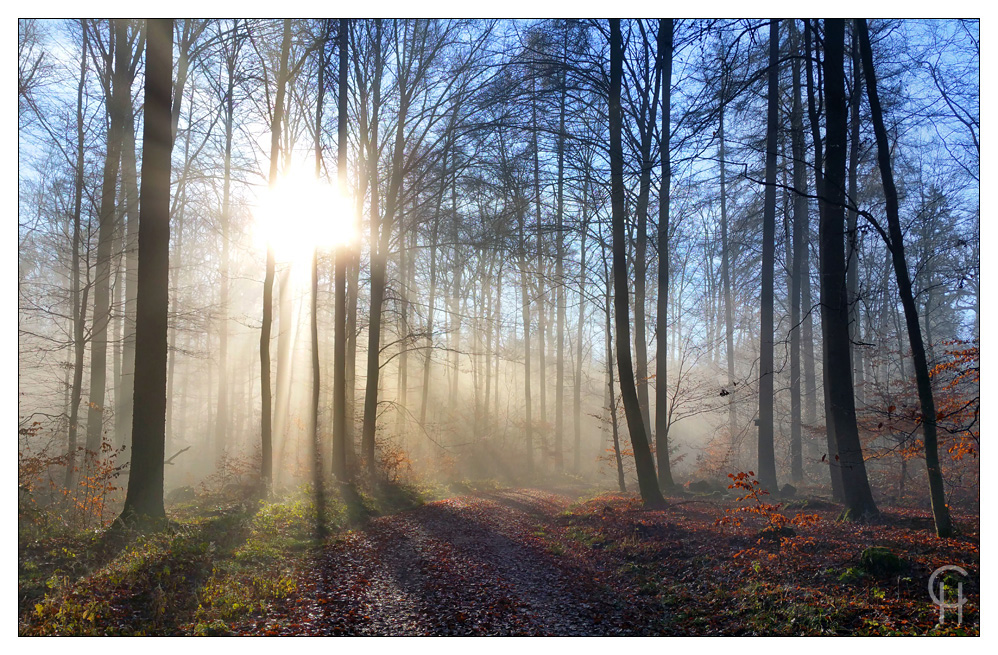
(217, 563)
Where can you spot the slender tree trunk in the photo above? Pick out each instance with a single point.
(340, 364)
(940, 511)
(434, 235)
(455, 300)
(797, 271)
(841, 413)
(577, 397)
(129, 179)
(267, 467)
(767, 456)
(646, 126)
(852, 252)
(171, 400)
(729, 323)
(222, 414)
(144, 499)
(378, 263)
(647, 481)
(315, 440)
(116, 106)
(287, 331)
(528, 427)
(79, 304)
(665, 44)
(611, 399)
(559, 276)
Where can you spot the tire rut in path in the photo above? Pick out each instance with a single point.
(471, 565)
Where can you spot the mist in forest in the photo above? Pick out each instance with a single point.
(396, 251)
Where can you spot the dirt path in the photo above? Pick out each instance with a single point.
(473, 565)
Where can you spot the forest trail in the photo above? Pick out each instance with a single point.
(470, 565)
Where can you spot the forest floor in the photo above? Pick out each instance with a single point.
(513, 562)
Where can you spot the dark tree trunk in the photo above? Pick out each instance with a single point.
(611, 398)
(832, 457)
(841, 412)
(645, 114)
(315, 440)
(767, 455)
(144, 499)
(940, 512)
(799, 249)
(665, 482)
(852, 252)
(643, 461)
(380, 241)
(340, 365)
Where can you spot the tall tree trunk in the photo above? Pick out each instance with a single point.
(116, 107)
(729, 323)
(144, 498)
(222, 414)
(645, 465)
(314, 436)
(559, 274)
(266, 436)
(434, 237)
(646, 126)
(841, 413)
(577, 387)
(611, 397)
(129, 182)
(79, 304)
(379, 256)
(852, 252)
(767, 455)
(528, 427)
(940, 511)
(287, 331)
(834, 465)
(340, 366)
(665, 44)
(797, 271)
(541, 345)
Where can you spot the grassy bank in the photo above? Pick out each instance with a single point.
(221, 560)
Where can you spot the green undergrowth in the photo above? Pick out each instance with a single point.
(220, 560)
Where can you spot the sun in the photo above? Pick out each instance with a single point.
(300, 214)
